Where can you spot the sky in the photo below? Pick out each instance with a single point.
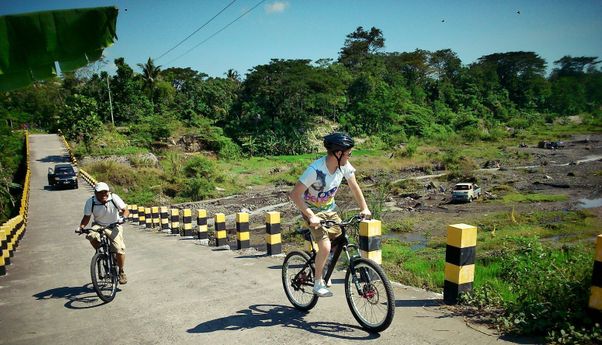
(316, 29)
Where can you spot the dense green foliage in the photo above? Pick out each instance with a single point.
(281, 108)
(12, 148)
(277, 107)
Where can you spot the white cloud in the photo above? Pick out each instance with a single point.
(276, 7)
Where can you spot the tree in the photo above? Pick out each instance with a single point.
(150, 76)
(129, 101)
(521, 74)
(232, 75)
(574, 66)
(359, 46)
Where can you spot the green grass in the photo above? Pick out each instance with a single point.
(535, 197)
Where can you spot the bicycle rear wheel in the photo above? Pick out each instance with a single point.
(371, 301)
(298, 280)
(104, 278)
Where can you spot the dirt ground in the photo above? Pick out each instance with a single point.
(574, 170)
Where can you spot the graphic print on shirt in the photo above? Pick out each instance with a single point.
(320, 183)
(320, 199)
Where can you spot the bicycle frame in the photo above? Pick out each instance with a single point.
(340, 244)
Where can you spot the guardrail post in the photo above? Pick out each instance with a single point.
(221, 235)
(242, 230)
(370, 240)
(187, 220)
(459, 261)
(201, 222)
(164, 219)
(3, 250)
(149, 217)
(175, 221)
(141, 216)
(134, 214)
(156, 219)
(595, 299)
(273, 237)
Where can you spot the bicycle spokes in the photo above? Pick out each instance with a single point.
(369, 295)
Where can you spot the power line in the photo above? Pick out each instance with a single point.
(195, 31)
(217, 32)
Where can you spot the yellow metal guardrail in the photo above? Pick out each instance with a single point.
(13, 230)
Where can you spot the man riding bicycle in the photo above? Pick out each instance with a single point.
(314, 197)
(106, 208)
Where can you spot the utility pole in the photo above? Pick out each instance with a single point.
(110, 101)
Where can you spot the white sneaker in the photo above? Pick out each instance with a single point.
(329, 283)
(320, 289)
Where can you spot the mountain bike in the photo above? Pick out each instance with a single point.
(103, 267)
(368, 291)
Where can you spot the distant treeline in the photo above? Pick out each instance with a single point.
(272, 110)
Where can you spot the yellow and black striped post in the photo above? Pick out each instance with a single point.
(459, 261)
(134, 213)
(201, 222)
(242, 231)
(221, 235)
(164, 218)
(187, 223)
(370, 240)
(141, 215)
(273, 237)
(175, 221)
(149, 217)
(3, 250)
(595, 299)
(156, 219)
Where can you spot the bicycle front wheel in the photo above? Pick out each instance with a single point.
(104, 278)
(369, 295)
(298, 280)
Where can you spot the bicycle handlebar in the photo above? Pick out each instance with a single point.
(80, 231)
(355, 219)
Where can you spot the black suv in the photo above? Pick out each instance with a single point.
(63, 175)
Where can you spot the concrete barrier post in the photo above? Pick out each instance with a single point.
(242, 231)
(141, 215)
(164, 218)
(201, 222)
(175, 221)
(187, 220)
(3, 250)
(273, 237)
(221, 235)
(149, 217)
(370, 240)
(134, 214)
(459, 261)
(595, 299)
(156, 219)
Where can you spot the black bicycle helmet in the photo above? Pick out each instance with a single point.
(338, 141)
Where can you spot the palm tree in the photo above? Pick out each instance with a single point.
(150, 75)
(232, 75)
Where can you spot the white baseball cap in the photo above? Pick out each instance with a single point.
(101, 186)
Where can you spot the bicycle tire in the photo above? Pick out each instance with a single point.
(374, 308)
(300, 292)
(103, 279)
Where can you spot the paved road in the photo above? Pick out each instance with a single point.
(179, 292)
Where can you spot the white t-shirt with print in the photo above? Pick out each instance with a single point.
(105, 214)
(322, 185)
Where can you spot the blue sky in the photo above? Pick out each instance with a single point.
(314, 29)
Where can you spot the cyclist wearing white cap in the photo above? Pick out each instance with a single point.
(106, 208)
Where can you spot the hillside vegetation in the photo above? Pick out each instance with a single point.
(167, 136)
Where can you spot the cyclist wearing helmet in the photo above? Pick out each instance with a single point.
(106, 208)
(314, 197)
